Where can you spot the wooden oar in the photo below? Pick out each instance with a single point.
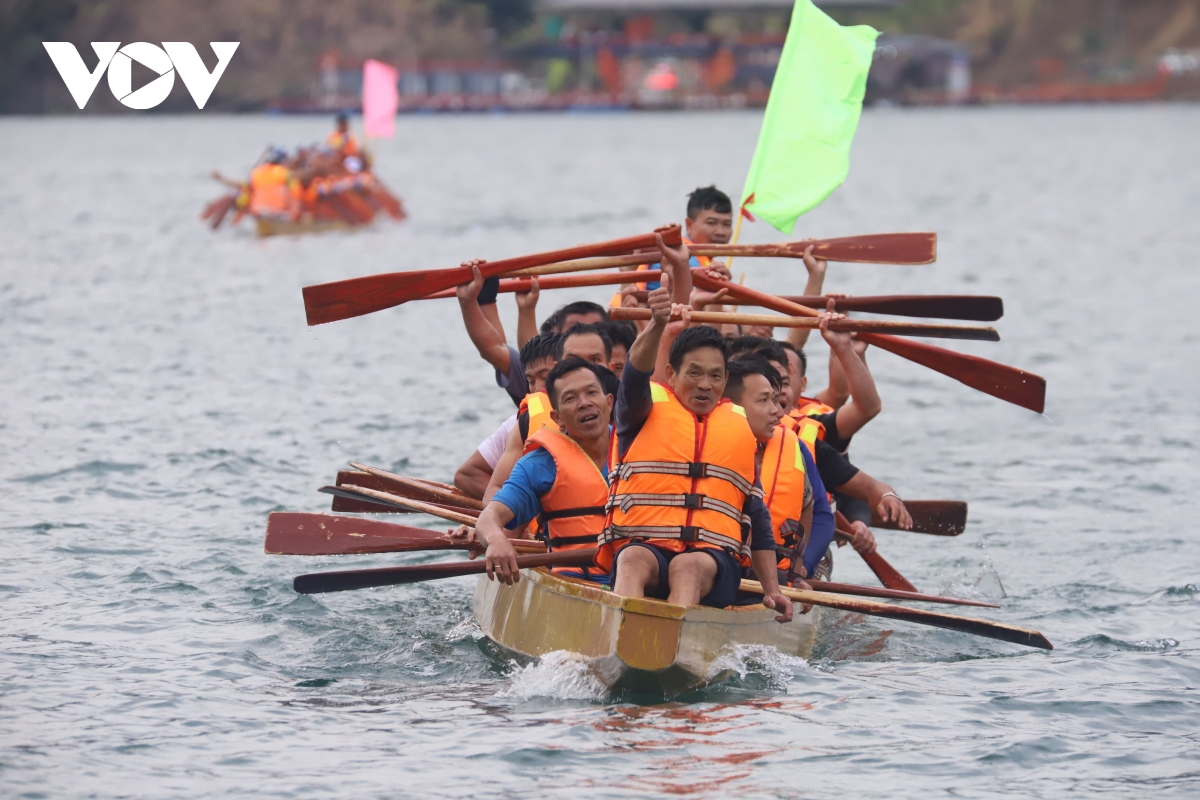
(318, 582)
(895, 594)
(860, 326)
(329, 302)
(982, 308)
(357, 505)
(442, 492)
(978, 627)
(888, 575)
(881, 248)
(1010, 384)
(936, 517)
(299, 534)
(461, 517)
(569, 282)
(943, 306)
(877, 248)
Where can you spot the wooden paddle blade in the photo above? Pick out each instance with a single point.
(319, 582)
(895, 594)
(329, 302)
(1010, 384)
(1006, 383)
(461, 517)
(299, 534)
(888, 575)
(938, 619)
(350, 503)
(878, 248)
(936, 517)
(981, 308)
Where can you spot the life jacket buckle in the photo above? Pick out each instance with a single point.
(689, 533)
(693, 501)
(697, 469)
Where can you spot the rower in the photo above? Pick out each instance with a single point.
(801, 518)
(271, 187)
(561, 480)
(622, 333)
(685, 479)
(588, 342)
(850, 486)
(342, 140)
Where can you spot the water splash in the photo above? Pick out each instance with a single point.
(560, 675)
(759, 661)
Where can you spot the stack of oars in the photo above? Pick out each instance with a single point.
(369, 489)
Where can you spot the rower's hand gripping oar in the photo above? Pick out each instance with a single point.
(1006, 383)
(938, 619)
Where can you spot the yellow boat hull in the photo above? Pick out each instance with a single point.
(632, 644)
(279, 226)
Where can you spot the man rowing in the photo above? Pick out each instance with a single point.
(685, 479)
(561, 480)
(801, 518)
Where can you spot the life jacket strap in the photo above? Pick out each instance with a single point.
(692, 501)
(697, 469)
(684, 533)
(584, 511)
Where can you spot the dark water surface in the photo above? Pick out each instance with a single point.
(161, 394)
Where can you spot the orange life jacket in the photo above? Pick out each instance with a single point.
(537, 406)
(787, 492)
(344, 143)
(683, 482)
(270, 192)
(573, 511)
(807, 429)
(811, 408)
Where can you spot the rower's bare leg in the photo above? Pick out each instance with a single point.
(691, 577)
(637, 568)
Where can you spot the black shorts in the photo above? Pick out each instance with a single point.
(725, 583)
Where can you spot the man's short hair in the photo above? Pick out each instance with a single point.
(772, 350)
(544, 345)
(799, 354)
(622, 332)
(598, 328)
(554, 322)
(746, 344)
(574, 364)
(707, 197)
(749, 364)
(695, 338)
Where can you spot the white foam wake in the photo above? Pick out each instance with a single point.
(560, 675)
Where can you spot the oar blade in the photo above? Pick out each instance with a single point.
(935, 517)
(880, 248)
(1010, 384)
(301, 534)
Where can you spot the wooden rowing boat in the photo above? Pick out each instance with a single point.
(280, 226)
(632, 644)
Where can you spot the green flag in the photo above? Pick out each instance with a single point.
(803, 151)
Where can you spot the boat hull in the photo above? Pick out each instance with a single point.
(632, 644)
(279, 226)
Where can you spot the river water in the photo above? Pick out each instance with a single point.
(162, 394)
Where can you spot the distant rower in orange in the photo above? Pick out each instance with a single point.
(342, 140)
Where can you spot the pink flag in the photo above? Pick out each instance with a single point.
(380, 99)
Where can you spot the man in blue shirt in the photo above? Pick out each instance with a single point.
(582, 409)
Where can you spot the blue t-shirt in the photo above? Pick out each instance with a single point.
(532, 476)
